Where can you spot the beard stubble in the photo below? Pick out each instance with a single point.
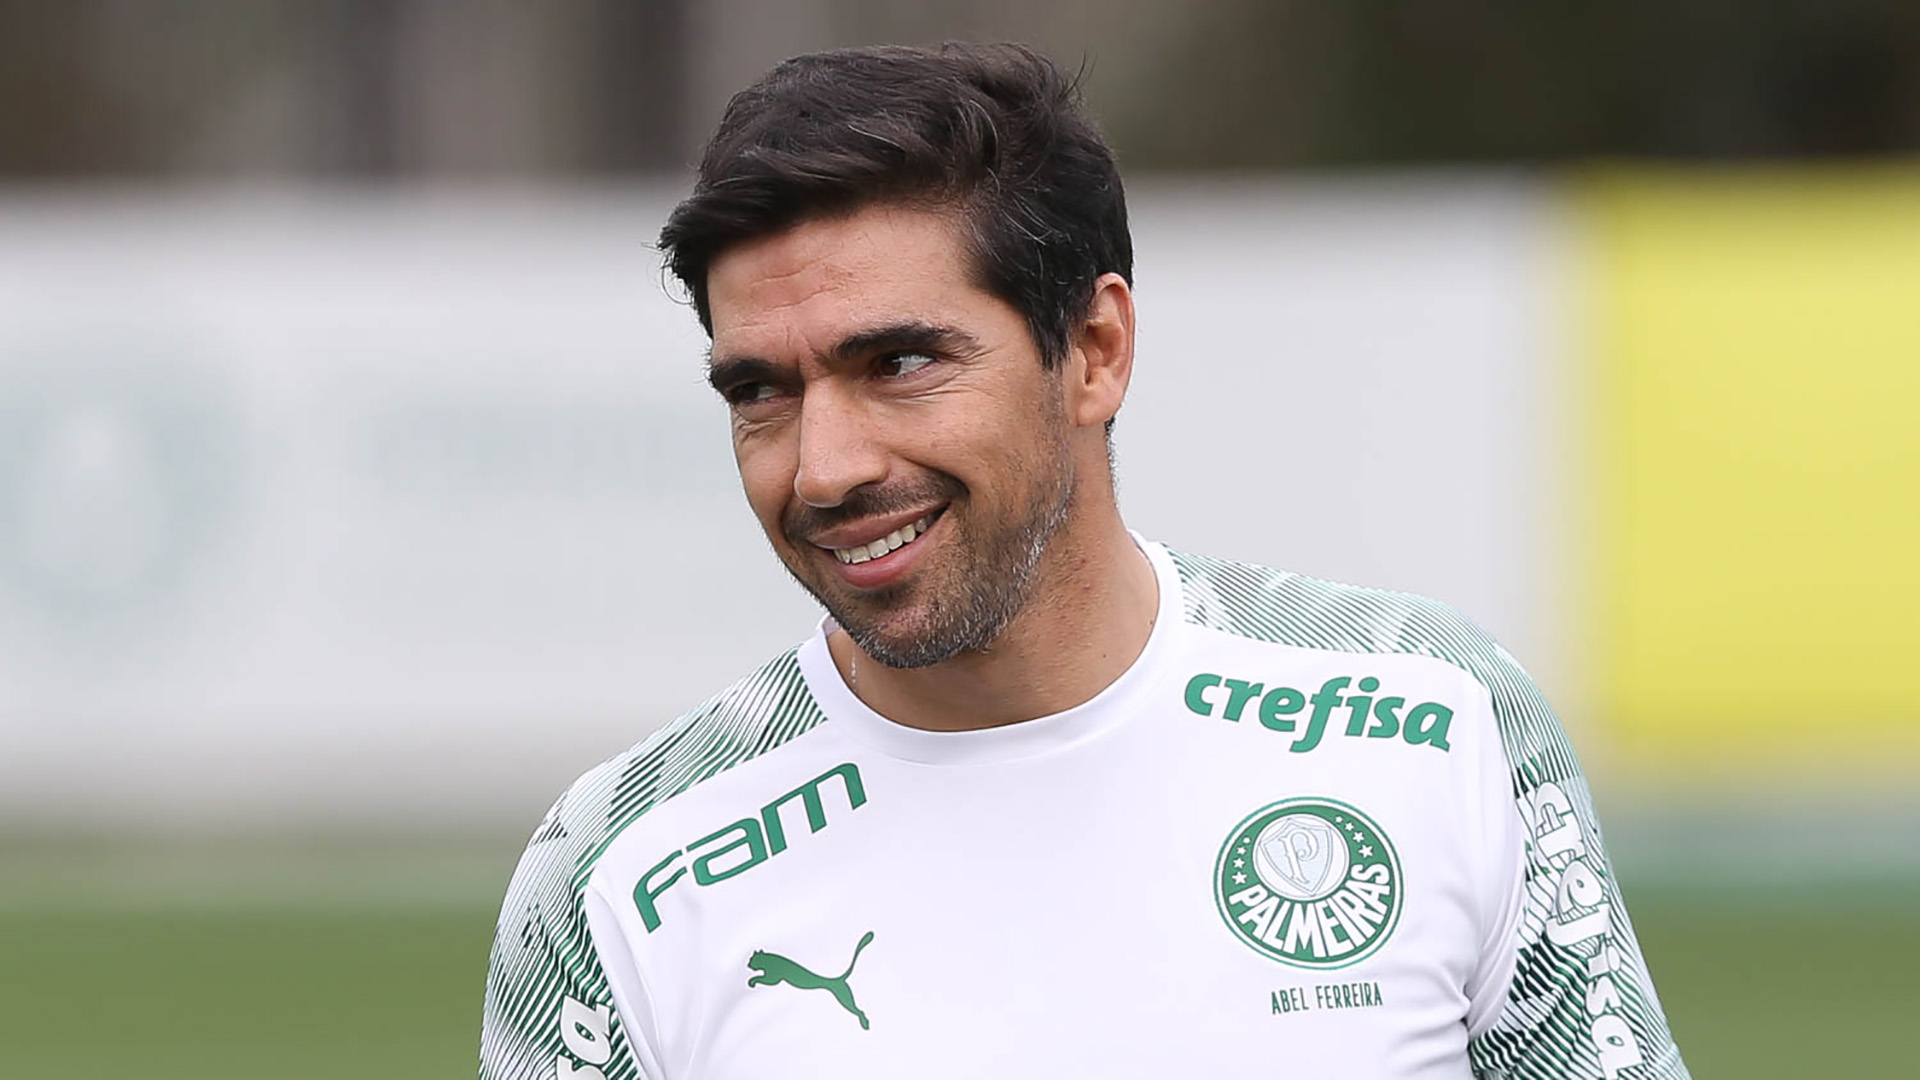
(990, 571)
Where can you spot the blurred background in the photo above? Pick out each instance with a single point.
(359, 487)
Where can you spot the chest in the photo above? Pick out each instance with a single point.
(1124, 914)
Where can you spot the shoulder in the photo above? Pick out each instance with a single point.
(1273, 605)
(546, 986)
(755, 715)
(1280, 606)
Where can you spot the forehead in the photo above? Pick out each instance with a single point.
(827, 277)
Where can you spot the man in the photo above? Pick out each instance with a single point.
(1039, 798)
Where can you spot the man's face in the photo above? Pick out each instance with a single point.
(876, 392)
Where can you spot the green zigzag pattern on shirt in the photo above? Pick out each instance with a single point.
(542, 948)
(1543, 1032)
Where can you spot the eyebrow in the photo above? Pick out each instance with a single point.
(734, 370)
(908, 336)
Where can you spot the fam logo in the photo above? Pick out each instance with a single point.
(746, 843)
(1309, 882)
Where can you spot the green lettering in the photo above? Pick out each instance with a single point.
(1434, 732)
(1359, 704)
(1386, 718)
(1279, 702)
(750, 838)
(1239, 692)
(1325, 700)
(1196, 693)
(746, 844)
(809, 796)
(643, 896)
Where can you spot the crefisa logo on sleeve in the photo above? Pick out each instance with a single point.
(1310, 882)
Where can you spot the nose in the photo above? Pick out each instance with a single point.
(838, 448)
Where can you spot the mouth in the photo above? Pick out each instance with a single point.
(902, 537)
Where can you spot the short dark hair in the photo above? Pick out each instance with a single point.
(996, 131)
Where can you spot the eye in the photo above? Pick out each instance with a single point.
(905, 363)
(747, 393)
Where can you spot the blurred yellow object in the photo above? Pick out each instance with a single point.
(1756, 408)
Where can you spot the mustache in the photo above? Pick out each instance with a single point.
(802, 522)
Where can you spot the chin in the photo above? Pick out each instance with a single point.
(899, 639)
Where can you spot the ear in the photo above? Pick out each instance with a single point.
(1100, 363)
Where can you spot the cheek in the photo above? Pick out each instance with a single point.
(976, 431)
(983, 437)
(1020, 436)
(767, 482)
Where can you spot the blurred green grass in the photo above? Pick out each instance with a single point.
(1757, 983)
(1789, 982)
(214, 995)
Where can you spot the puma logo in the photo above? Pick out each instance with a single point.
(771, 969)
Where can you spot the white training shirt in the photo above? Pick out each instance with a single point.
(1312, 831)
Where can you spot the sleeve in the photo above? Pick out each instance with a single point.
(549, 1011)
(1573, 999)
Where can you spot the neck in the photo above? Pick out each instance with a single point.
(1088, 619)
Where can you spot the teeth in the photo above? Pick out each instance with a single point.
(893, 541)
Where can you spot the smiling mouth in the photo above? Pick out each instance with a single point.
(893, 541)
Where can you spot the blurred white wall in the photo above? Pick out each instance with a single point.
(402, 508)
